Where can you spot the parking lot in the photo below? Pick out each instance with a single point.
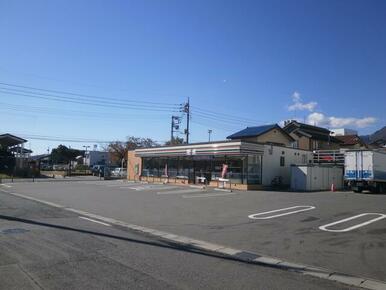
(342, 231)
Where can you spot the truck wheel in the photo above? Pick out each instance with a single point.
(357, 189)
(374, 189)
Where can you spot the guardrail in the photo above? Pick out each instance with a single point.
(329, 157)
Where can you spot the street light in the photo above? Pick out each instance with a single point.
(209, 132)
(86, 155)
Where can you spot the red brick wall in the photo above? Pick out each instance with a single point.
(132, 163)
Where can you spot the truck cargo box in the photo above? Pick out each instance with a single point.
(365, 169)
(365, 165)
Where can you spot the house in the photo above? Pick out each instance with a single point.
(343, 132)
(12, 152)
(92, 158)
(266, 134)
(379, 144)
(308, 137)
(351, 142)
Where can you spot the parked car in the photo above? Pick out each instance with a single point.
(46, 167)
(119, 172)
(60, 167)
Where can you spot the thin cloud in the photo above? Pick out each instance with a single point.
(298, 105)
(319, 119)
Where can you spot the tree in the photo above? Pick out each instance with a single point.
(63, 154)
(119, 149)
(7, 161)
(175, 141)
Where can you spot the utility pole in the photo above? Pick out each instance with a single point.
(186, 110)
(209, 132)
(172, 129)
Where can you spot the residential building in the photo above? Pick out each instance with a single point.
(351, 142)
(308, 137)
(92, 158)
(378, 144)
(267, 134)
(343, 132)
(12, 147)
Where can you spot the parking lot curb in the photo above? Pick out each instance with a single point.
(236, 254)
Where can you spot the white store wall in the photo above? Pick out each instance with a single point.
(316, 177)
(271, 162)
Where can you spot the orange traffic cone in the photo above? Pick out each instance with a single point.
(332, 187)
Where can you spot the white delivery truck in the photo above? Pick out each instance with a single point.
(365, 170)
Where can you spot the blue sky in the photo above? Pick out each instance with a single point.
(247, 62)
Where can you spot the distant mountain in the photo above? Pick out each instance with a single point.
(380, 134)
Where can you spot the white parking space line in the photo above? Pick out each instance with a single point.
(94, 221)
(189, 190)
(325, 227)
(6, 185)
(296, 209)
(93, 183)
(138, 188)
(121, 184)
(209, 195)
(141, 188)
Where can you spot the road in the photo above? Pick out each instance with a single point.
(222, 218)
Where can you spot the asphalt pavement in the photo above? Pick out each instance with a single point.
(257, 221)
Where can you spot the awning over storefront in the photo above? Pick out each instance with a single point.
(202, 149)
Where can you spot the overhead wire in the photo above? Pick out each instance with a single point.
(99, 104)
(67, 139)
(76, 113)
(227, 116)
(201, 116)
(84, 95)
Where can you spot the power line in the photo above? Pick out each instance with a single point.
(212, 126)
(85, 99)
(99, 104)
(223, 121)
(84, 95)
(226, 116)
(83, 114)
(69, 139)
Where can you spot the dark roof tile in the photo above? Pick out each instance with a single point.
(253, 131)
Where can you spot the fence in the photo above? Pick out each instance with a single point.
(329, 157)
